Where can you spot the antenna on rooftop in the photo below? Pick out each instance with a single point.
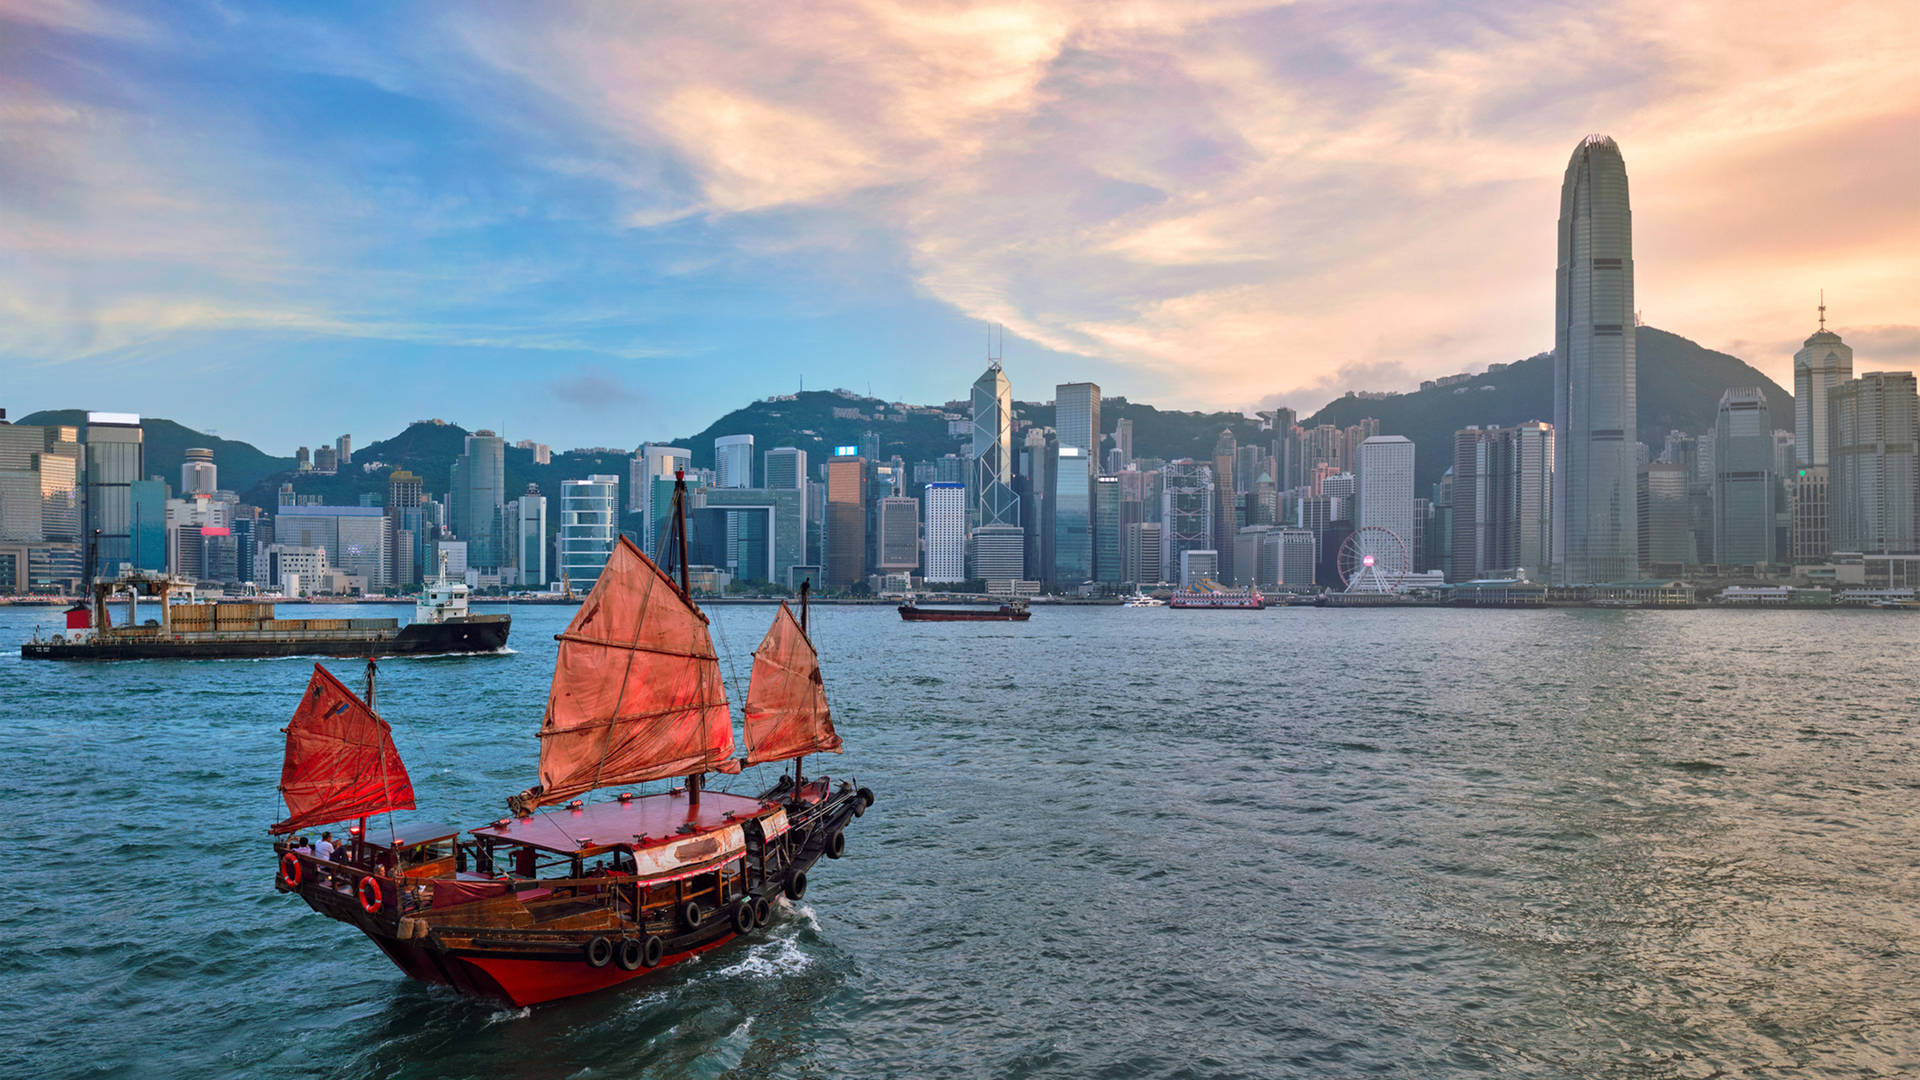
(1823, 309)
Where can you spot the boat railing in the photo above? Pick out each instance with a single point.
(343, 878)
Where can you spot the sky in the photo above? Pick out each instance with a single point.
(594, 224)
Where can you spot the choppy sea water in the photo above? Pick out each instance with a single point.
(1108, 843)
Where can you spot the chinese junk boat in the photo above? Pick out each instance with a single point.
(564, 896)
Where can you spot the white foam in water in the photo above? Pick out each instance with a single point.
(778, 956)
(507, 1015)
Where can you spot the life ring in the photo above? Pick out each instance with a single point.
(762, 911)
(599, 951)
(632, 953)
(796, 886)
(290, 870)
(743, 915)
(690, 915)
(370, 896)
(836, 845)
(655, 949)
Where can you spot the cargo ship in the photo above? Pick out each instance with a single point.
(248, 629)
(1216, 598)
(1014, 612)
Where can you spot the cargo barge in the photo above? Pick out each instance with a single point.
(249, 629)
(1014, 612)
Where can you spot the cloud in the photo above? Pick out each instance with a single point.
(1881, 346)
(1228, 201)
(595, 390)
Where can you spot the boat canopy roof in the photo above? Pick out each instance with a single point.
(409, 835)
(645, 821)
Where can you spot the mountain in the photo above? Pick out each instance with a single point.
(1680, 384)
(241, 464)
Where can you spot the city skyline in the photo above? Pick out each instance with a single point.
(514, 217)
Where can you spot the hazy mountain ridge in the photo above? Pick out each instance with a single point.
(1680, 383)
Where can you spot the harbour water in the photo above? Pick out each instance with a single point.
(1108, 843)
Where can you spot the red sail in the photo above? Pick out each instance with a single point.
(787, 713)
(340, 763)
(636, 689)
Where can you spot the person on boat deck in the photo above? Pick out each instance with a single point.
(324, 849)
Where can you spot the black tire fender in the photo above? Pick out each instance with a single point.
(836, 845)
(866, 795)
(743, 915)
(762, 911)
(599, 951)
(652, 950)
(796, 886)
(632, 953)
(691, 916)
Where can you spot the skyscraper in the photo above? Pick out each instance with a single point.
(1186, 513)
(1072, 511)
(1107, 567)
(198, 474)
(406, 493)
(1872, 479)
(1225, 523)
(946, 531)
(532, 538)
(1823, 363)
(1076, 416)
(479, 493)
(991, 496)
(1595, 527)
(1123, 442)
(846, 539)
(897, 541)
(589, 523)
(1385, 483)
(647, 495)
(1666, 536)
(733, 461)
(116, 458)
(1744, 483)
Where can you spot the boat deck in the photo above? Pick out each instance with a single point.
(659, 818)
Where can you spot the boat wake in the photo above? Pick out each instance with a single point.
(779, 955)
(507, 1016)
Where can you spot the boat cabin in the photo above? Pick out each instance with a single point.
(676, 851)
(422, 850)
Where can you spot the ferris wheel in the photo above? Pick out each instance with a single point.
(1374, 559)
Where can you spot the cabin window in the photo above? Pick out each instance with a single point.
(421, 854)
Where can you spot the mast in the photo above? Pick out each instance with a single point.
(696, 780)
(806, 586)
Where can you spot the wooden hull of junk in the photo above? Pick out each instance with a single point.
(1003, 613)
(524, 940)
(472, 634)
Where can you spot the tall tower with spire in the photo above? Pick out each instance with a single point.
(1595, 508)
(1823, 363)
(990, 480)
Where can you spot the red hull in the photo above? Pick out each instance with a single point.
(521, 982)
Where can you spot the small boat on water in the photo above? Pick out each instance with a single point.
(1141, 599)
(1014, 612)
(563, 897)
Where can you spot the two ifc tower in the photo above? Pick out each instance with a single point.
(1595, 509)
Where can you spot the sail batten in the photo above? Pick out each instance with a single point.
(786, 711)
(636, 692)
(340, 759)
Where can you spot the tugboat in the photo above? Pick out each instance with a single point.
(1014, 612)
(564, 897)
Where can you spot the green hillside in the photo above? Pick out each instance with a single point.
(1680, 387)
(1680, 384)
(241, 464)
